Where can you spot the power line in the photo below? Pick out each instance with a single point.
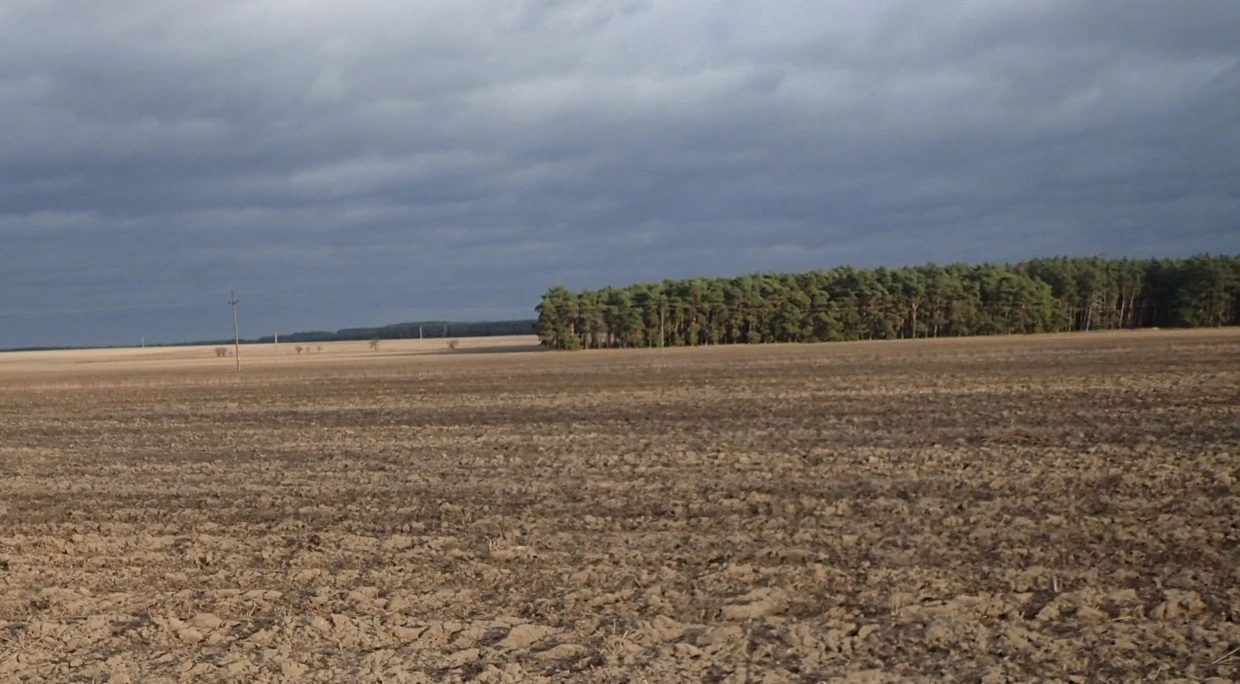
(104, 309)
(266, 301)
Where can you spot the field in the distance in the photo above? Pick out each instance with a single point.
(1061, 507)
(181, 358)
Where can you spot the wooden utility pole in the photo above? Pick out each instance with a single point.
(232, 301)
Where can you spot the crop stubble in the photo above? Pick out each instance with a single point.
(981, 509)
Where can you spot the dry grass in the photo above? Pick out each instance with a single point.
(981, 509)
(252, 355)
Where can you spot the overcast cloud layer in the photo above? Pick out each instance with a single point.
(365, 162)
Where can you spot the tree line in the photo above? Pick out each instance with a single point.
(396, 331)
(415, 330)
(430, 330)
(1059, 294)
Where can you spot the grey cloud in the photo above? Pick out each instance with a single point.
(341, 163)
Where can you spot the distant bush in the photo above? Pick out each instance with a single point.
(221, 352)
(453, 344)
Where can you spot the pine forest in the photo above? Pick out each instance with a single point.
(1043, 295)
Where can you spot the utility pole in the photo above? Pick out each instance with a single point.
(276, 339)
(232, 301)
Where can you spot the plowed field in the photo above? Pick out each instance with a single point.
(1064, 507)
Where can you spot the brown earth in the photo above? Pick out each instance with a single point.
(1064, 508)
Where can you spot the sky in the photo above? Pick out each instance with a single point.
(372, 161)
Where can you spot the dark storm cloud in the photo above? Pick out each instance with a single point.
(354, 163)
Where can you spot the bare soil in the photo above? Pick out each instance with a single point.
(1061, 508)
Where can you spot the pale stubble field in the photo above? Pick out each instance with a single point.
(1062, 507)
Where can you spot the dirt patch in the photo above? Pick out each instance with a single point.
(1058, 508)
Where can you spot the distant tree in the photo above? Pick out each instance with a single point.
(453, 344)
(221, 352)
(845, 303)
(297, 349)
(374, 344)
